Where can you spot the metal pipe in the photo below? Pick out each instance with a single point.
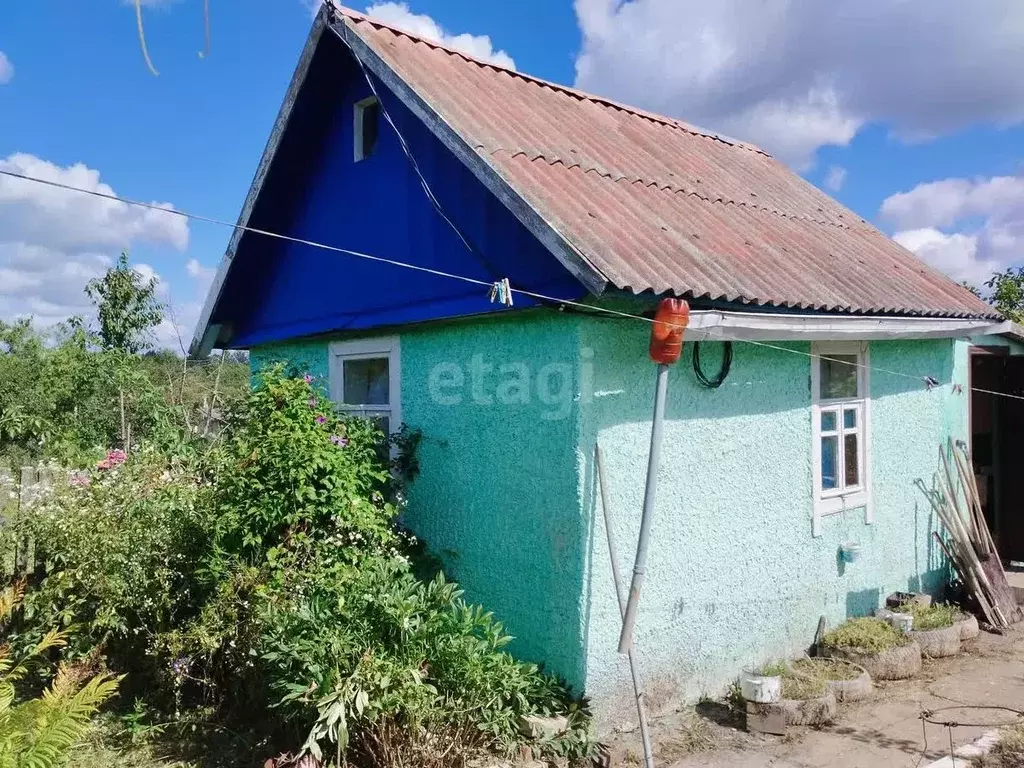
(638, 690)
(653, 459)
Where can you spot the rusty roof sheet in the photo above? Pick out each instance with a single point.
(655, 204)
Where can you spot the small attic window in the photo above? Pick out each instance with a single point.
(367, 122)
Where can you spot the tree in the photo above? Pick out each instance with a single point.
(126, 306)
(1008, 293)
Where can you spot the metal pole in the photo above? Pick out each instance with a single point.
(653, 459)
(638, 690)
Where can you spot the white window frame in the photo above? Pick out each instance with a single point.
(358, 113)
(840, 499)
(363, 349)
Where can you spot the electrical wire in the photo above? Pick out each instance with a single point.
(714, 333)
(723, 370)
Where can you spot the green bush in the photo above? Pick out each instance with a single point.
(120, 548)
(266, 577)
(347, 636)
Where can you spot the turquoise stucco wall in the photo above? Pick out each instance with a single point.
(497, 499)
(734, 575)
(507, 497)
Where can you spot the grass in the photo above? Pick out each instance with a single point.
(108, 745)
(772, 669)
(827, 669)
(691, 734)
(1007, 753)
(866, 634)
(937, 616)
(807, 678)
(113, 741)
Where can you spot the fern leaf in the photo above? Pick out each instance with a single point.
(11, 598)
(50, 726)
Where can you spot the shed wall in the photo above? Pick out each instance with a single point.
(735, 576)
(507, 498)
(497, 499)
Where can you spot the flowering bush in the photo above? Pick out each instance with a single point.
(268, 577)
(325, 607)
(120, 547)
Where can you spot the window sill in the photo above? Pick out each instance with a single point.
(833, 505)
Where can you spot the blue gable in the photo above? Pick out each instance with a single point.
(315, 190)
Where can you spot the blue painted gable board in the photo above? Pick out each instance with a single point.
(315, 190)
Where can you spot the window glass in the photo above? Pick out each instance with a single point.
(838, 376)
(850, 459)
(366, 381)
(829, 462)
(850, 418)
(371, 122)
(828, 421)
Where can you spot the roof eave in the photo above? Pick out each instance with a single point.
(722, 324)
(206, 335)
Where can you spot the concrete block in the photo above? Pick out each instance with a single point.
(766, 718)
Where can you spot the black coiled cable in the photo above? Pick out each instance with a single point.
(723, 371)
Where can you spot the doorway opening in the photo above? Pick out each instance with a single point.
(997, 445)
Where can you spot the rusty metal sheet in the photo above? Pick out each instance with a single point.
(657, 205)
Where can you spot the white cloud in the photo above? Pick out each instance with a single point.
(968, 228)
(836, 178)
(6, 69)
(53, 241)
(795, 75)
(203, 277)
(198, 271)
(421, 25)
(58, 218)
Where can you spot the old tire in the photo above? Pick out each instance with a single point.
(938, 643)
(817, 711)
(900, 663)
(968, 627)
(857, 689)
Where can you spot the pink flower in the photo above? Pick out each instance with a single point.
(308, 378)
(339, 441)
(114, 457)
(80, 478)
(321, 419)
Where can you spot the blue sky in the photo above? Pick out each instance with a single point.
(874, 116)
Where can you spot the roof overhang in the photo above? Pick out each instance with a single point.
(206, 336)
(741, 326)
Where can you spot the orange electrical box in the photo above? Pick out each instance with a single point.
(670, 322)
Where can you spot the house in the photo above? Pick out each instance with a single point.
(599, 210)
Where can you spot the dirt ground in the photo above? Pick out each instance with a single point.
(883, 731)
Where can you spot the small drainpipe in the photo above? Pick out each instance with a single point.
(666, 345)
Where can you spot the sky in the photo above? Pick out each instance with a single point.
(910, 112)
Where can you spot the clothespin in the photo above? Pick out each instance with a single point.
(930, 382)
(501, 292)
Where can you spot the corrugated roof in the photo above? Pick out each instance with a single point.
(654, 204)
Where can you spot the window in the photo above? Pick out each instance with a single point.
(365, 379)
(367, 125)
(841, 420)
